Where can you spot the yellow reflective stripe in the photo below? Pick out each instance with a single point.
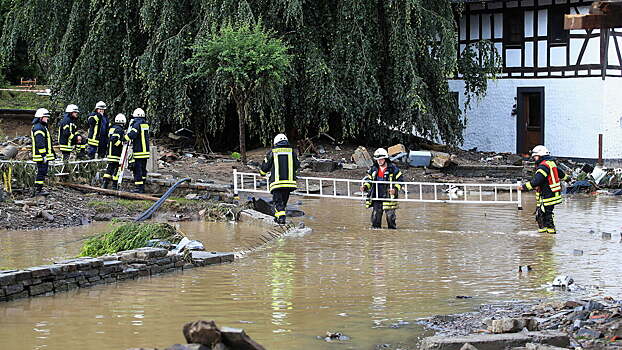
(279, 213)
(93, 142)
(290, 165)
(66, 148)
(107, 176)
(275, 186)
(368, 185)
(398, 186)
(262, 172)
(38, 182)
(275, 159)
(144, 127)
(127, 138)
(66, 126)
(41, 150)
(138, 182)
(528, 186)
(281, 150)
(542, 172)
(40, 132)
(117, 143)
(398, 175)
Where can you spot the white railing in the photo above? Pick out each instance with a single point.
(430, 192)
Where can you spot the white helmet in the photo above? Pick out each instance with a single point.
(42, 112)
(100, 105)
(119, 119)
(280, 137)
(541, 151)
(138, 113)
(381, 153)
(71, 109)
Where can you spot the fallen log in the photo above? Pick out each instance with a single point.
(121, 194)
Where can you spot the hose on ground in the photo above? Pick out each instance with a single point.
(149, 212)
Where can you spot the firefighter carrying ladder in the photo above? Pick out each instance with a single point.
(426, 192)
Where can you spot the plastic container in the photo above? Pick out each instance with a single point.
(419, 158)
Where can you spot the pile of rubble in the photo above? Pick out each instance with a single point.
(584, 324)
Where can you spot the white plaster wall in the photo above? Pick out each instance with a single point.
(573, 115)
(612, 119)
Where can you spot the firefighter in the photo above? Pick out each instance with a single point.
(98, 131)
(138, 133)
(547, 184)
(68, 137)
(282, 163)
(383, 170)
(42, 151)
(116, 137)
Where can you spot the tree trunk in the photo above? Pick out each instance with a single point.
(242, 111)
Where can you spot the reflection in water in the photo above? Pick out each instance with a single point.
(342, 277)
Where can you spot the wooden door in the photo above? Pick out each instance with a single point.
(529, 119)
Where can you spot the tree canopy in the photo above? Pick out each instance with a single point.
(360, 69)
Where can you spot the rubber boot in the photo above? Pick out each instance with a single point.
(139, 189)
(115, 186)
(281, 220)
(105, 183)
(38, 191)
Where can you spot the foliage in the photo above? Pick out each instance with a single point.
(360, 69)
(128, 236)
(22, 100)
(245, 63)
(235, 155)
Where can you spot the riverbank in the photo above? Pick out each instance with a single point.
(581, 323)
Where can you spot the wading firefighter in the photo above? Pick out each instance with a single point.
(282, 163)
(547, 184)
(42, 151)
(116, 137)
(384, 170)
(98, 131)
(138, 133)
(68, 137)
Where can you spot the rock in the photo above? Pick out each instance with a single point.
(102, 217)
(495, 341)
(337, 148)
(513, 325)
(562, 281)
(571, 304)
(577, 252)
(362, 158)
(514, 159)
(606, 235)
(323, 166)
(349, 166)
(396, 149)
(202, 332)
(440, 160)
(589, 333)
(46, 215)
(189, 347)
(593, 305)
(192, 196)
(579, 315)
(534, 346)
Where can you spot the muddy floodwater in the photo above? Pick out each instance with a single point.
(368, 284)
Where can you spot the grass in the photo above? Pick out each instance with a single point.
(128, 236)
(22, 100)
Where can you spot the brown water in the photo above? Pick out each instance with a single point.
(342, 277)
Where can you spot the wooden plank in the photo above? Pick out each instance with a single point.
(591, 21)
(611, 8)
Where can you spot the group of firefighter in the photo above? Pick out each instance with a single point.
(382, 184)
(106, 139)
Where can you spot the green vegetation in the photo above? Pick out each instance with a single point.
(133, 205)
(128, 236)
(22, 100)
(360, 70)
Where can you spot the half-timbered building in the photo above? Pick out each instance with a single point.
(561, 88)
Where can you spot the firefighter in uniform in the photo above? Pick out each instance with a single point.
(42, 151)
(383, 170)
(98, 131)
(68, 137)
(547, 184)
(139, 135)
(116, 137)
(281, 162)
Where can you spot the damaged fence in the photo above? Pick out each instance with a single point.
(426, 192)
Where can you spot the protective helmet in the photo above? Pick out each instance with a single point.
(541, 151)
(100, 105)
(138, 113)
(42, 112)
(71, 109)
(381, 153)
(119, 119)
(280, 137)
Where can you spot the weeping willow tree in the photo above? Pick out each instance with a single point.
(360, 69)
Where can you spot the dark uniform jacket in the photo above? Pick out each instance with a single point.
(547, 182)
(139, 134)
(392, 174)
(116, 136)
(282, 163)
(41, 142)
(98, 129)
(67, 133)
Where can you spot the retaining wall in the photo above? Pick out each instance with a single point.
(86, 272)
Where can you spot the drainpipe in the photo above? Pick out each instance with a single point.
(600, 149)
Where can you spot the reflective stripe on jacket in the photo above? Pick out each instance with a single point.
(66, 133)
(547, 182)
(392, 174)
(281, 162)
(139, 135)
(41, 142)
(116, 136)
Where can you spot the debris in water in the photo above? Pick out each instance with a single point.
(524, 268)
(562, 281)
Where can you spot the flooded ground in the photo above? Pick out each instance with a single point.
(342, 277)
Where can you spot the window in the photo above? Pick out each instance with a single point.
(513, 28)
(557, 33)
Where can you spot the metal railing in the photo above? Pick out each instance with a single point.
(426, 192)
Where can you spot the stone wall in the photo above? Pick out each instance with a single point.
(85, 272)
(495, 171)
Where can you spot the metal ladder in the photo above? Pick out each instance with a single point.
(425, 192)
